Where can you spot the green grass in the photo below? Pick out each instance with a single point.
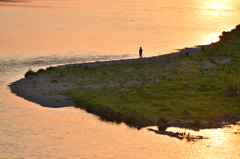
(230, 78)
(138, 93)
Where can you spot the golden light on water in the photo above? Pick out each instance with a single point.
(218, 4)
(49, 29)
(213, 37)
(212, 14)
(114, 27)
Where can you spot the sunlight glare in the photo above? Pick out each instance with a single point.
(218, 5)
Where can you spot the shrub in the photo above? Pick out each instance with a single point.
(231, 80)
(50, 68)
(30, 73)
(40, 70)
(162, 120)
(162, 124)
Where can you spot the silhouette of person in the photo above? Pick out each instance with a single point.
(140, 52)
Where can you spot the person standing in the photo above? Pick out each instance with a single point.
(140, 52)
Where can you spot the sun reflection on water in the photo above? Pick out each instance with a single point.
(44, 29)
(218, 5)
(215, 136)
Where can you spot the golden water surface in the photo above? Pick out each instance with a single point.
(38, 33)
(112, 27)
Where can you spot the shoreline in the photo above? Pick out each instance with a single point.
(192, 51)
(46, 97)
(21, 87)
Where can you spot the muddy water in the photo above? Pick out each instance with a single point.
(37, 34)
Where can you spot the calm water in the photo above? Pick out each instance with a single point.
(37, 34)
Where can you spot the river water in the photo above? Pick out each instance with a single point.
(36, 34)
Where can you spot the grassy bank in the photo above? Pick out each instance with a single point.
(184, 90)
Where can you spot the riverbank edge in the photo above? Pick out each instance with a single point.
(25, 89)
